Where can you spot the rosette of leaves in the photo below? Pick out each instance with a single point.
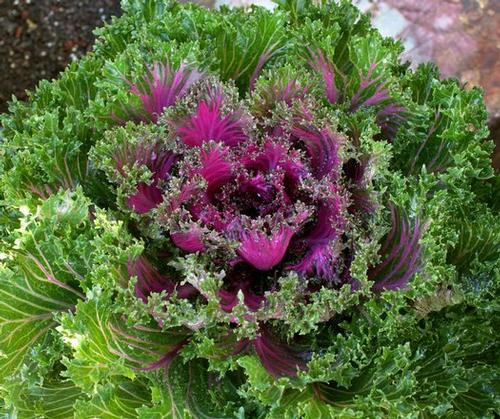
(248, 213)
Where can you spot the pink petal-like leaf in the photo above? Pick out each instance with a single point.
(208, 124)
(162, 86)
(264, 252)
(190, 241)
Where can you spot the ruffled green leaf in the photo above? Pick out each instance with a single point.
(40, 274)
(112, 400)
(104, 346)
(246, 43)
(189, 391)
(52, 399)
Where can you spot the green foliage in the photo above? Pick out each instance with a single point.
(120, 400)
(244, 40)
(448, 128)
(42, 263)
(189, 391)
(50, 400)
(104, 347)
(78, 340)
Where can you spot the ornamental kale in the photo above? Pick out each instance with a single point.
(248, 213)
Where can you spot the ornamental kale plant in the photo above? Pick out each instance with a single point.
(251, 214)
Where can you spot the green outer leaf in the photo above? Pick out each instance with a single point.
(240, 44)
(38, 278)
(119, 401)
(52, 400)
(105, 347)
(26, 314)
(187, 391)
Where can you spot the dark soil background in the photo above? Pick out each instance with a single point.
(38, 38)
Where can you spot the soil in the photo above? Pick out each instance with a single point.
(38, 38)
